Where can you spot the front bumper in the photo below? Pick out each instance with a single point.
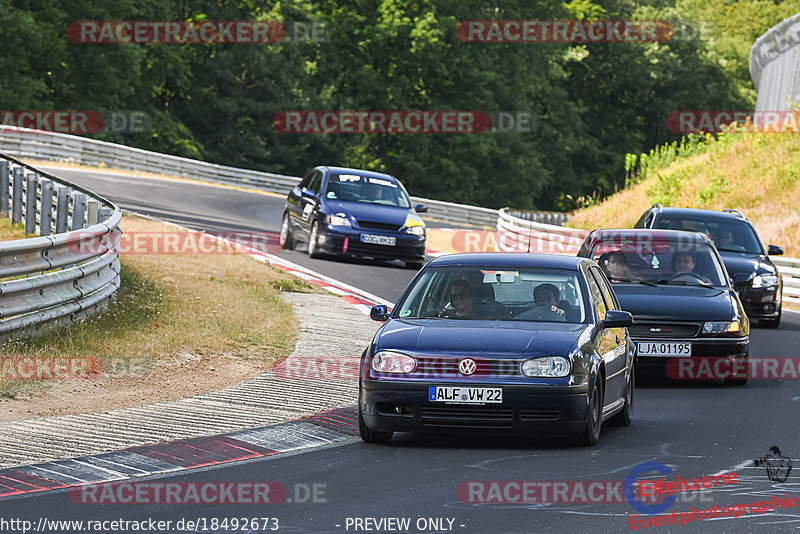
(761, 303)
(736, 348)
(541, 410)
(347, 241)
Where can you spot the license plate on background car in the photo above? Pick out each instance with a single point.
(645, 348)
(378, 239)
(465, 395)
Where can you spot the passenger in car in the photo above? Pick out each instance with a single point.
(616, 266)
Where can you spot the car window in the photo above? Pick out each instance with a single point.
(306, 179)
(495, 294)
(316, 182)
(598, 303)
(730, 235)
(645, 258)
(605, 289)
(366, 189)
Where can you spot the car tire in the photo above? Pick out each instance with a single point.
(416, 265)
(371, 436)
(591, 434)
(738, 381)
(771, 323)
(313, 246)
(625, 417)
(286, 239)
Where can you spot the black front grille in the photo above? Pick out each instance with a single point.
(663, 330)
(467, 416)
(372, 225)
(448, 367)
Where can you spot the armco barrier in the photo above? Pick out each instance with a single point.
(775, 66)
(51, 146)
(790, 271)
(71, 270)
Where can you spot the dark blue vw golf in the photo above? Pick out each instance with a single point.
(354, 212)
(515, 343)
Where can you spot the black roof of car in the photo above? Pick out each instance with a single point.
(696, 212)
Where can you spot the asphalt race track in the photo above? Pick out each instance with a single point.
(695, 429)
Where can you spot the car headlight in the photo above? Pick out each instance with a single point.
(387, 361)
(547, 366)
(414, 225)
(416, 230)
(765, 280)
(722, 327)
(340, 219)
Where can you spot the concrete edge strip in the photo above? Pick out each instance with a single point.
(325, 428)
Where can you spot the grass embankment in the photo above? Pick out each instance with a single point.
(174, 307)
(758, 174)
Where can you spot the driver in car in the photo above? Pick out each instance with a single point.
(683, 262)
(462, 302)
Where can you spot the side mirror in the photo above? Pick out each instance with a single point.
(379, 312)
(774, 250)
(617, 319)
(308, 193)
(421, 208)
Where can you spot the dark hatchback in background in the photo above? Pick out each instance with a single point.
(355, 213)
(512, 343)
(680, 296)
(754, 276)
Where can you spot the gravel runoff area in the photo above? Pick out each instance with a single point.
(329, 327)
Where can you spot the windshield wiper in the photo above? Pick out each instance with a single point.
(668, 282)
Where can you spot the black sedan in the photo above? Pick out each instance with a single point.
(681, 298)
(513, 343)
(354, 212)
(754, 276)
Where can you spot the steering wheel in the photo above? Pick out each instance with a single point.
(687, 273)
(542, 313)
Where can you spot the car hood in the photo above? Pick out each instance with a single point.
(370, 212)
(457, 337)
(750, 264)
(675, 303)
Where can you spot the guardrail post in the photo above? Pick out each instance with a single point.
(4, 185)
(46, 223)
(104, 213)
(62, 209)
(92, 212)
(16, 197)
(78, 209)
(31, 194)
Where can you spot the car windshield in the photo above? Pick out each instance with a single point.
(639, 258)
(491, 293)
(728, 235)
(357, 188)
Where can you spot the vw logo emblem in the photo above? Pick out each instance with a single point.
(467, 366)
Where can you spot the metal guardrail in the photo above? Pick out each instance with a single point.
(51, 146)
(774, 60)
(71, 270)
(790, 272)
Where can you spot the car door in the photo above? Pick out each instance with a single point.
(294, 202)
(309, 201)
(612, 340)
